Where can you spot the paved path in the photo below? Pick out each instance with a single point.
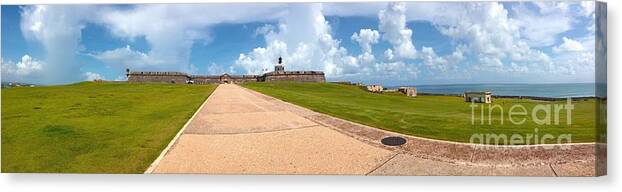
(239, 131)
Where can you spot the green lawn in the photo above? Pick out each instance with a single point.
(437, 117)
(93, 127)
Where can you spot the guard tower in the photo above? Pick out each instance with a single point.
(279, 68)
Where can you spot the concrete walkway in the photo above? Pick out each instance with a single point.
(239, 131)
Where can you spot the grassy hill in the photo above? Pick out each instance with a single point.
(436, 117)
(93, 127)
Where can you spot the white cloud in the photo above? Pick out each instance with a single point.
(214, 69)
(28, 69)
(171, 38)
(443, 64)
(393, 71)
(576, 56)
(568, 45)
(496, 39)
(516, 68)
(393, 28)
(430, 59)
(492, 36)
(368, 9)
(366, 38)
(429, 56)
(488, 63)
(486, 31)
(90, 76)
(303, 38)
(587, 8)
(486, 28)
(388, 55)
(261, 59)
(122, 58)
(540, 27)
(27, 66)
(305, 42)
(58, 29)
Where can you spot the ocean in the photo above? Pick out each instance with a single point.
(539, 90)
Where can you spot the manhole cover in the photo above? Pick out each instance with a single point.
(393, 141)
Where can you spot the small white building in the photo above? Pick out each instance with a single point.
(409, 91)
(375, 88)
(478, 97)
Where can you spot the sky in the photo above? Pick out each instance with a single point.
(389, 43)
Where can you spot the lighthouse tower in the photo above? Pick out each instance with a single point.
(279, 68)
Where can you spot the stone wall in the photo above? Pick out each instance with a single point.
(301, 76)
(242, 79)
(158, 77)
(177, 77)
(200, 79)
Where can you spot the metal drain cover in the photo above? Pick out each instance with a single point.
(393, 141)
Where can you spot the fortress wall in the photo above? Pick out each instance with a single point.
(244, 80)
(205, 79)
(221, 79)
(159, 78)
(182, 78)
(300, 76)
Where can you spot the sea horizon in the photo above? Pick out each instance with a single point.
(554, 90)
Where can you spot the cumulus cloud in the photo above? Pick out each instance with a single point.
(516, 68)
(575, 56)
(398, 70)
(388, 55)
(304, 39)
(214, 69)
(261, 59)
(368, 9)
(540, 27)
(26, 66)
(568, 45)
(500, 38)
(171, 30)
(394, 30)
(486, 28)
(58, 29)
(431, 59)
(90, 76)
(503, 37)
(125, 57)
(366, 38)
(28, 69)
(492, 36)
(587, 8)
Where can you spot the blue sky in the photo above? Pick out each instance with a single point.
(389, 43)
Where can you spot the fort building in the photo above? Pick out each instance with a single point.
(409, 91)
(478, 97)
(279, 74)
(375, 88)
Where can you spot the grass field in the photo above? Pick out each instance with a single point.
(436, 117)
(93, 127)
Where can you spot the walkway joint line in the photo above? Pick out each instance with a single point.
(551, 166)
(382, 164)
